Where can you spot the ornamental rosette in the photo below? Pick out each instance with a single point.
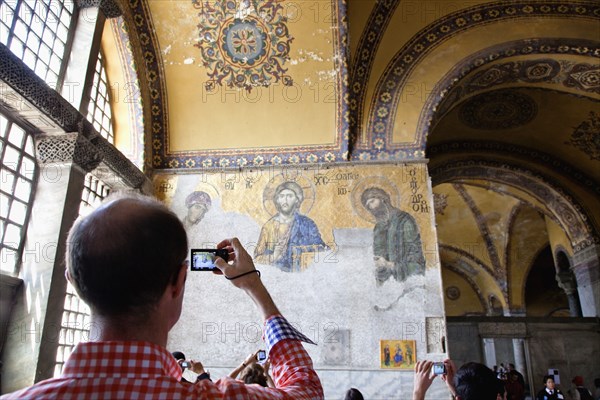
(243, 43)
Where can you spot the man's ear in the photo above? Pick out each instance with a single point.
(179, 283)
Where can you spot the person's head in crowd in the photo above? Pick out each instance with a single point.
(475, 381)
(549, 381)
(578, 380)
(597, 382)
(122, 257)
(254, 373)
(179, 357)
(353, 394)
(513, 376)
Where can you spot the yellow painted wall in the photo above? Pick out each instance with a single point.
(558, 238)
(528, 237)
(467, 303)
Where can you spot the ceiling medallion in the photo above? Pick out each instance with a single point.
(586, 137)
(453, 293)
(244, 43)
(504, 109)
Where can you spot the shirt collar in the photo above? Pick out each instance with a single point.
(120, 358)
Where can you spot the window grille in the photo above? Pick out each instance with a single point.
(99, 113)
(18, 179)
(38, 32)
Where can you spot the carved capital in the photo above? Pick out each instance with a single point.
(566, 281)
(67, 148)
(586, 265)
(109, 8)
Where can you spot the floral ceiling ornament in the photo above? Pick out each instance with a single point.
(586, 136)
(244, 43)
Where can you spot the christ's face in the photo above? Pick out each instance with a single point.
(287, 202)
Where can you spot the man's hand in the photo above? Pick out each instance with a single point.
(239, 270)
(252, 358)
(423, 379)
(239, 263)
(448, 377)
(197, 367)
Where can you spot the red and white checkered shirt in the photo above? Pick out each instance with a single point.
(143, 370)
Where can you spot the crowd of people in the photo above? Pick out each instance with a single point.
(127, 261)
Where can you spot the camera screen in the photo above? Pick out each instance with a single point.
(204, 259)
(439, 368)
(262, 355)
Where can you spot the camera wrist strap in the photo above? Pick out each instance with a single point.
(245, 273)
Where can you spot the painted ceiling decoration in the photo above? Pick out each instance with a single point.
(543, 70)
(385, 103)
(152, 82)
(244, 43)
(440, 202)
(362, 63)
(504, 109)
(564, 209)
(466, 271)
(258, 69)
(586, 137)
(453, 88)
(556, 165)
(483, 228)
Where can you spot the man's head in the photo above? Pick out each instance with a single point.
(288, 197)
(198, 203)
(474, 381)
(122, 256)
(549, 381)
(376, 201)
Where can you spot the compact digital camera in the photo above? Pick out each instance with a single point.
(261, 356)
(204, 259)
(439, 368)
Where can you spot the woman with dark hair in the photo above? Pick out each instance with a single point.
(354, 394)
(254, 373)
(250, 372)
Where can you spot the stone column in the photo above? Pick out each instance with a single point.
(566, 281)
(586, 267)
(34, 332)
(519, 352)
(489, 351)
